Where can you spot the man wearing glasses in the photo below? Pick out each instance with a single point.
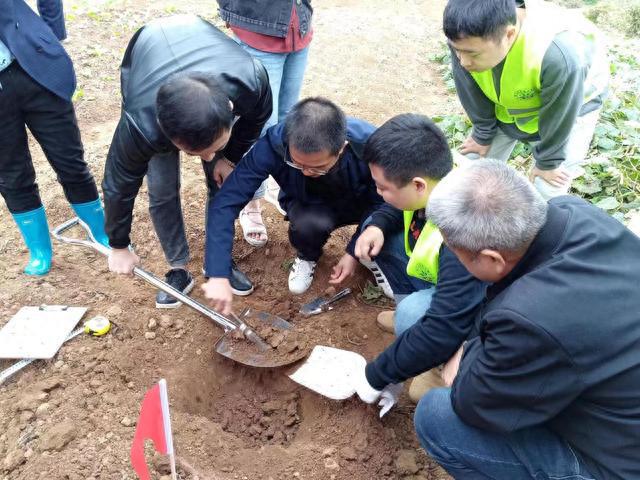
(315, 155)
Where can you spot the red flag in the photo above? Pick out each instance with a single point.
(154, 423)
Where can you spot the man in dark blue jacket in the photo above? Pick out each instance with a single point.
(550, 387)
(36, 85)
(316, 158)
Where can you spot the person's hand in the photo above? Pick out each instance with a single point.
(558, 177)
(122, 260)
(221, 170)
(369, 243)
(450, 369)
(386, 398)
(218, 292)
(343, 269)
(471, 146)
(389, 397)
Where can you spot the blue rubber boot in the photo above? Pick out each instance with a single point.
(92, 214)
(35, 231)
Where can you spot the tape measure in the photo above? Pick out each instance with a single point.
(97, 326)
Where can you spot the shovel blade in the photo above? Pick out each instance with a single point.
(314, 307)
(331, 372)
(256, 357)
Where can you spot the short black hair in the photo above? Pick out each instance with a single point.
(316, 124)
(409, 146)
(193, 110)
(478, 18)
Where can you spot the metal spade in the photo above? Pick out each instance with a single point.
(262, 357)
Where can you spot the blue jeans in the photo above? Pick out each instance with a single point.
(412, 295)
(467, 452)
(286, 71)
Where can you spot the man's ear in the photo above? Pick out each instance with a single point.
(494, 260)
(511, 33)
(420, 184)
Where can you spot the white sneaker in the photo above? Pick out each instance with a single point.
(381, 280)
(301, 275)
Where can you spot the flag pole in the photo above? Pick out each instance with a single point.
(164, 400)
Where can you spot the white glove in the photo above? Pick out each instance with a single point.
(386, 398)
(389, 397)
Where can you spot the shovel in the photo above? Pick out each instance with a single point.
(225, 345)
(322, 304)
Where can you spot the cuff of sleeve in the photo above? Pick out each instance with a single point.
(120, 243)
(548, 164)
(483, 140)
(373, 377)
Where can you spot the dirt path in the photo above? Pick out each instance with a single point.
(71, 418)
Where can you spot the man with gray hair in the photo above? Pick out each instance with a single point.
(550, 386)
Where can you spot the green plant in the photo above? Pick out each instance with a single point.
(371, 293)
(287, 264)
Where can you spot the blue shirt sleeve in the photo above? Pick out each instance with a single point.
(237, 190)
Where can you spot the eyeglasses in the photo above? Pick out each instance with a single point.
(315, 171)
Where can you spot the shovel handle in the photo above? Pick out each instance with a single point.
(57, 232)
(338, 296)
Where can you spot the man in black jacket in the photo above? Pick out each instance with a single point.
(185, 86)
(550, 387)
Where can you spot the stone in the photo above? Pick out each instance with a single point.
(43, 409)
(331, 464)
(58, 436)
(327, 452)
(114, 311)
(13, 460)
(153, 323)
(95, 383)
(348, 453)
(406, 463)
(166, 321)
(149, 335)
(127, 422)
(58, 365)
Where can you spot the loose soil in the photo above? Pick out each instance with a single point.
(73, 417)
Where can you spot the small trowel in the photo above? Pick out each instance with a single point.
(322, 304)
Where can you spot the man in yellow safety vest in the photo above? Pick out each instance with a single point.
(436, 297)
(532, 72)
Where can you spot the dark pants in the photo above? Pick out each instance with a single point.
(311, 225)
(52, 121)
(165, 208)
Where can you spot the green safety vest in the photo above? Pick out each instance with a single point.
(424, 260)
(520, 87)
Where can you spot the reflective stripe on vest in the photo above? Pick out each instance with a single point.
(520, 87)
(424, 260)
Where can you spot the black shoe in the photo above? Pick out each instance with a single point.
(179, 279)
(240, 283)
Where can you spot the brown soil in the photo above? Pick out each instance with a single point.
(73, 417)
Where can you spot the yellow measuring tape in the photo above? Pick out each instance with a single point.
(97, 326)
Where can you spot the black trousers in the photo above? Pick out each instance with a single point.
(52, 121)
(311, 225)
